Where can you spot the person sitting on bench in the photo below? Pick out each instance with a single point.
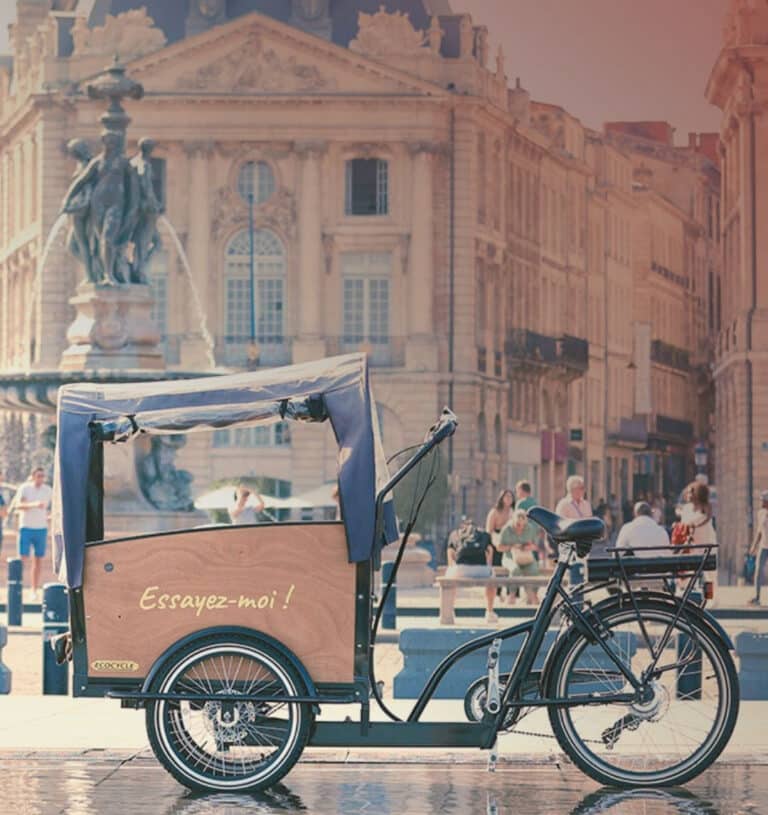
(470, 554)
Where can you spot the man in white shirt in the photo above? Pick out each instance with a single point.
(643, 532)
(34, 499)
(574, 504)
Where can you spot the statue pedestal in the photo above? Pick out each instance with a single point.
(113, 329)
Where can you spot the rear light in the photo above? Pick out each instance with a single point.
(709, 589)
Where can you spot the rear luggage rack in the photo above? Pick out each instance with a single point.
(625, 565)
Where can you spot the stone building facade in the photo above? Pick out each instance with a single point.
(738, 85)
(406, 199)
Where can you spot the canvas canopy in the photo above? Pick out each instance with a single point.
(336, 389)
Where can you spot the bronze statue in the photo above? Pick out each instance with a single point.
(146, 238)
(111, 201)
(165, 487)
(78, 206)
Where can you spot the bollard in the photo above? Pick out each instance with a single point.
(389, 615)
(689, 676)
(5, 671)
(15, 586)
(55, 622)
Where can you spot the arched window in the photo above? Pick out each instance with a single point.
(158, 280)
(481, 433)
(256, 179)
(262, 323)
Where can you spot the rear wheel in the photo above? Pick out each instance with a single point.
(227, 743)
(686, 718)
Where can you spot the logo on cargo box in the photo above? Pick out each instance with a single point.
(115, 665)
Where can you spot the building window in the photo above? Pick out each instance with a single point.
(481, 433)
(268, 294)
(158, 283)
(158, 179)
(367, 187)
(274, 435)
(497, 435)
(256, 179)
(366, 296)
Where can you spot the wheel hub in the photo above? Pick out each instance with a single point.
(656, 705)
(228, 721)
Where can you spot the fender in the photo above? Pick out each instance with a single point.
(700, 613)
(250, 633)
(621, 601)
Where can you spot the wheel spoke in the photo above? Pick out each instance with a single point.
(223, 743)
(679, 726)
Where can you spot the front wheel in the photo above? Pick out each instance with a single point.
(685, 718)
(226, 743)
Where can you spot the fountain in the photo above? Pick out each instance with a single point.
(199, 311)
(113, 218)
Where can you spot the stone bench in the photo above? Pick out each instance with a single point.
(449, 585)
(752, 650)
(423, 648)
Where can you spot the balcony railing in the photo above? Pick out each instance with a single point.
(238, 351)
(567, 354)
(629, 432)
(679, 429)
(670, 355)
(382, 351)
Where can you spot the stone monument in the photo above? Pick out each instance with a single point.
(113, 211)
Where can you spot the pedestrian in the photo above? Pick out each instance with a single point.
(497, 518)
(759, 546)
(518, 544)
(696, 514)
(34, 499)
(3, 512)
(642, 533)
(245, 511)
(573, 504)
(525, 501)
(470, 554)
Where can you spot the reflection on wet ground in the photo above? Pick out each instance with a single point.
(38, 785)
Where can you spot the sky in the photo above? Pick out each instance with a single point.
(607, 60)
(602, 60)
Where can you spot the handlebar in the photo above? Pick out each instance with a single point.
(444, 427)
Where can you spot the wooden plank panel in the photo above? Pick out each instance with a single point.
(291, 581)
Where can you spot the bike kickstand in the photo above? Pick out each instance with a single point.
(493, 756)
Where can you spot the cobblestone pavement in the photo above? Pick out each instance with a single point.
(93, 784)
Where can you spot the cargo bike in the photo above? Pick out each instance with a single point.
(240, 642)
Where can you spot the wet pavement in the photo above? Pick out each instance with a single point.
(128, 784)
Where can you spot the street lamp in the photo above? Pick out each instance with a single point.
(253, 351)
(700, 457)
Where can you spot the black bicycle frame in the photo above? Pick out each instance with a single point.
(534, 631)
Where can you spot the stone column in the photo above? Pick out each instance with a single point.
(421, 346)
(193, 351)
(309, 343)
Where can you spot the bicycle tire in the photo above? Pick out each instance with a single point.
(564, 663)
(246, 728)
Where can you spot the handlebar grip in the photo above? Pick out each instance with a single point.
(444, 427)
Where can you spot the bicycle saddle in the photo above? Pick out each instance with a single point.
(578, 530)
